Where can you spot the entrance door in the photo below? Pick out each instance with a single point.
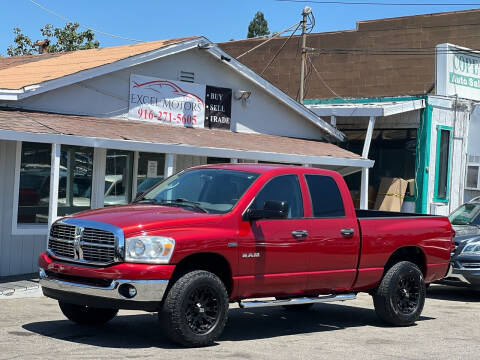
(272, 254)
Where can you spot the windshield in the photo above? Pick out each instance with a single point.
(467, 214)
(208, 190)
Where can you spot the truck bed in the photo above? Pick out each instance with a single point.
(378, 214)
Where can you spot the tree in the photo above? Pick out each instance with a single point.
(258, 26)
(58, 39)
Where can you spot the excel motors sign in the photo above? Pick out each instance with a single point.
(179, 103)
(457, 72)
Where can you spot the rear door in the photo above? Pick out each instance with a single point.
(273, 252)
(334, 237)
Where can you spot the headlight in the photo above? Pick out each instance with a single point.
(472, 248)
(149, 249)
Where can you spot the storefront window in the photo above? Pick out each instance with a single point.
(34, 190)
(118, 177)
(75, 184)
(150, 172)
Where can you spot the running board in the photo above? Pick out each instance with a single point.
(296, 301)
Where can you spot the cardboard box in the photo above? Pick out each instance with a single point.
(391, 194)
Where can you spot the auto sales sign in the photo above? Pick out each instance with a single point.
(458, 71)
(179, 103)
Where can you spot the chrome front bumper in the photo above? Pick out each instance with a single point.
(145, 290)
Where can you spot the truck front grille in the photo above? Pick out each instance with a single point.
(82, 244)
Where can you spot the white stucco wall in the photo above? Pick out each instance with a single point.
(107, 96)
(458, 119)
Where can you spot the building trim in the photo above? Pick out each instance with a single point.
(437, 164)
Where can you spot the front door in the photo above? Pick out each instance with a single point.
(272, 252)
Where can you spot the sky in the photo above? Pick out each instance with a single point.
(219, 20)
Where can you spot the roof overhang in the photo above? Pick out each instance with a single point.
(199, 42)
(148, 137)
(375, 109)
(35, 89)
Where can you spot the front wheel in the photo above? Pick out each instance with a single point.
(400, 297)
(194, 312)
(86, 315)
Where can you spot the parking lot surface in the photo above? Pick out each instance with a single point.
(34, 328)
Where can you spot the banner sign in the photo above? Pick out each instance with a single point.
(179, 103)
(458, 72)
(218, 107)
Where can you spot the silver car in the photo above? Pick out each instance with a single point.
(465, 261)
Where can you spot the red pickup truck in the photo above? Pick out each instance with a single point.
(217, 234)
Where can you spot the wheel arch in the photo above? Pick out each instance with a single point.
(413, 254)
(208, 261)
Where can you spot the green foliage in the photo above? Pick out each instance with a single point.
(258, 26)
(67, 38)
(24, 45)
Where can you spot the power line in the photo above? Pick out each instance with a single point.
(280, 50)
(389, 52)
(275, 35)
(83, 26)
(374, 3)
(323, 81)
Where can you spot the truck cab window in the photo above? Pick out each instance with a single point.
(282, 188)
(325, 196)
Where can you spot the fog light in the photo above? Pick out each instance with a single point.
(127, 291)
(41, 273)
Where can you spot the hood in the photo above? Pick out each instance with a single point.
(144, 217)
(466, 230)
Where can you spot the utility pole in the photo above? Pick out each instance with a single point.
(306, 11)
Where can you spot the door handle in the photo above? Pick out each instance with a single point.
(347, 232)
(300, 234)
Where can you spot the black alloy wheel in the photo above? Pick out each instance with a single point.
(407, 294)
(202, 310)
(195, 309)
(400, 297)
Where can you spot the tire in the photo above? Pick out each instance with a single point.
(86, 315)
(400, 297)
(195, 310)
(299, 307)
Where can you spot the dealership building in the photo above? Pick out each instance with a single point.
(94, 128)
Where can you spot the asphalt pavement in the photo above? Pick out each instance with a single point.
(34, 328)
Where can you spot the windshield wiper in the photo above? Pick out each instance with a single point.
(146, 201)
(181, 201)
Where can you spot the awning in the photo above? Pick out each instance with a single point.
(151, 137)
(377, 109)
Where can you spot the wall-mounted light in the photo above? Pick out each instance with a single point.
(242, 95)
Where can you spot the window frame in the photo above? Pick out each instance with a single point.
(311, 198)
(98, 186)
(19, 228)
(471, 163)
(265, 184)
(436, 198)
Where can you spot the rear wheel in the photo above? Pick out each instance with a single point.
(86, 315)
(400, 297)
(194, 312)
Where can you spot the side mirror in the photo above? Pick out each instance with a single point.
(271, 210)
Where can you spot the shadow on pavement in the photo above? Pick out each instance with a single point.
(142, 331)
(453, 293)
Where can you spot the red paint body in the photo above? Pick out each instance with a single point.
(323, 262)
